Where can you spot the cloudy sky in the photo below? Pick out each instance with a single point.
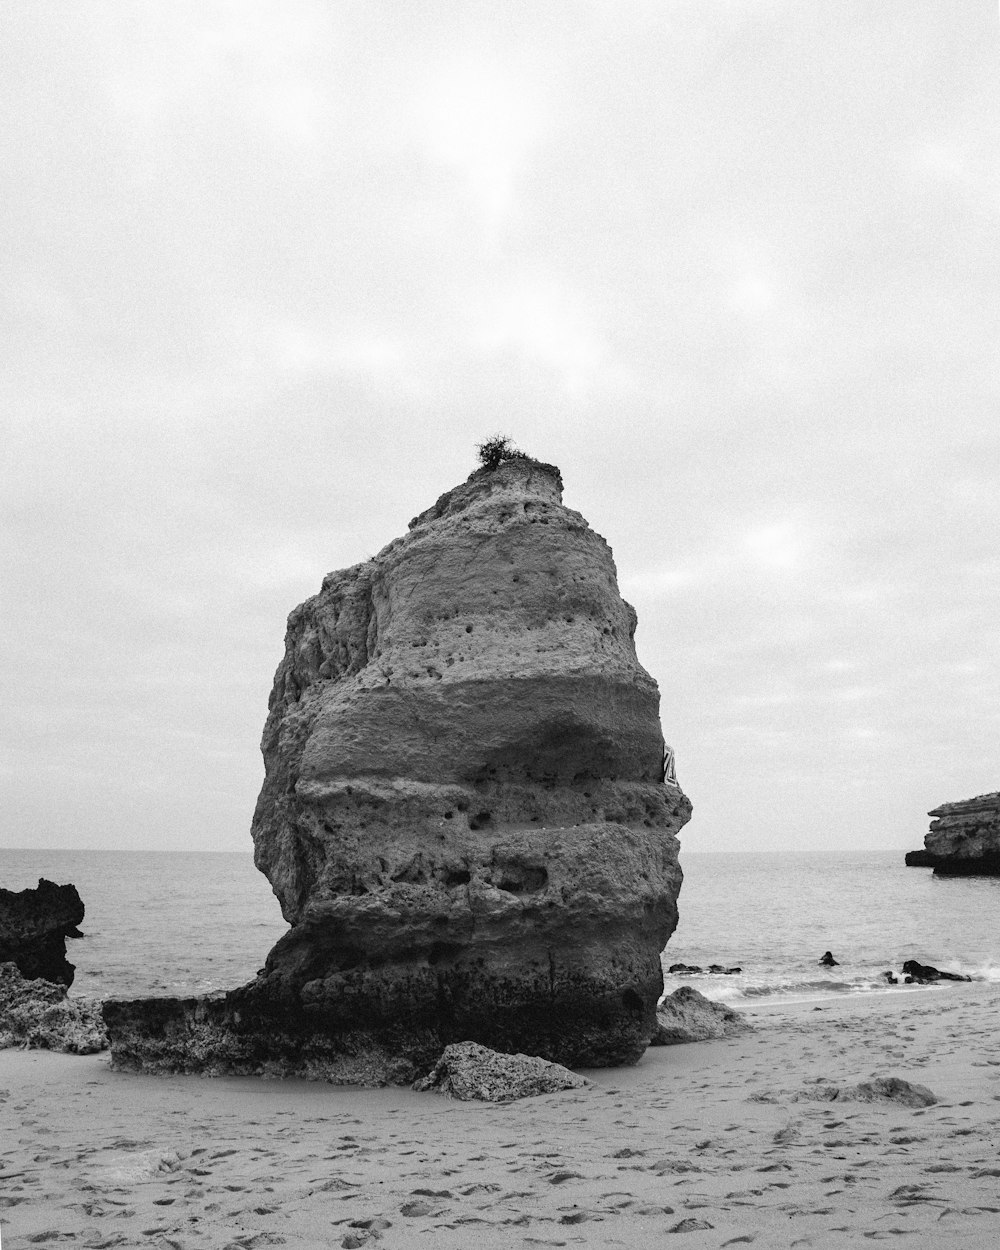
(273, 269)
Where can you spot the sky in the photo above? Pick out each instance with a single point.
(272, 269)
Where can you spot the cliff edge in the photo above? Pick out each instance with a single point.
(964, 840)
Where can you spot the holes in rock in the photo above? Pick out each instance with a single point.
(468, 629)
(480, 820)
(462, 805)
(412, 874)
(448, 815)
(456, 877)
(522, 878)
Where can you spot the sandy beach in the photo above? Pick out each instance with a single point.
(710, 1143)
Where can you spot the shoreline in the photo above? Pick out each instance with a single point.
(710, 1133)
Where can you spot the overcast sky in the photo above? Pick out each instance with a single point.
(273, 269)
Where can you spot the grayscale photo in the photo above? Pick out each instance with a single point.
(499, 641)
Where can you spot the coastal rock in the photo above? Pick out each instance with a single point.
(38, 1015)
(468, 813)
(964, 840)
(923, 974)
(34, 926)
(472, 1072)
(880, 1089)
(687, 1016)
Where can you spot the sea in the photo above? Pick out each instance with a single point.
(182, 923)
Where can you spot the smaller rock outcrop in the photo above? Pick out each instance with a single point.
(687, 1016)
(880, 1089)
(469, 1071)
(34, 926)
(39, 1015)
(963, 840)
(924, 974)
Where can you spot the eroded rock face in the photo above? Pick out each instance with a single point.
(37, 1014)
(34, 926)
(464, 815)
(476, 1073)
(964, 840)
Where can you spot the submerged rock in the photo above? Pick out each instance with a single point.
(468, 813)
(964, 840)
(34, 926)
(472, 1072)
(687, 1016)
(39, 1015)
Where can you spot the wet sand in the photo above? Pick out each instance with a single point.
(699, 1145)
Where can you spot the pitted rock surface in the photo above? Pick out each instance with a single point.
(471, 1072)
(37, 1014)
(464, 815)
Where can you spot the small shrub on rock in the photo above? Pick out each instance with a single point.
(496, 450)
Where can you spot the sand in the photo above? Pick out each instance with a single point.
(698, 1145)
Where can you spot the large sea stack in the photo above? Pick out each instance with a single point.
(464, 814)
(963, 840)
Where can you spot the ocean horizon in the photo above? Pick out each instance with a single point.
(180, 923)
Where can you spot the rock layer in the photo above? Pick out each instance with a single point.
(464, 813)
(964, 840)
(34, 926)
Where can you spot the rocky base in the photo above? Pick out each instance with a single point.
(386, 1019)
(34, 926)
(223, 1035)
(964, 840)
(38, 1015)
(987, 865)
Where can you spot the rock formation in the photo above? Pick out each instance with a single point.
(917, 973)
(964, 840)
(39, 1015)
(464, 813)
(879, 1089)
(687, 1016)
(34, 926)
(471, 1072)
